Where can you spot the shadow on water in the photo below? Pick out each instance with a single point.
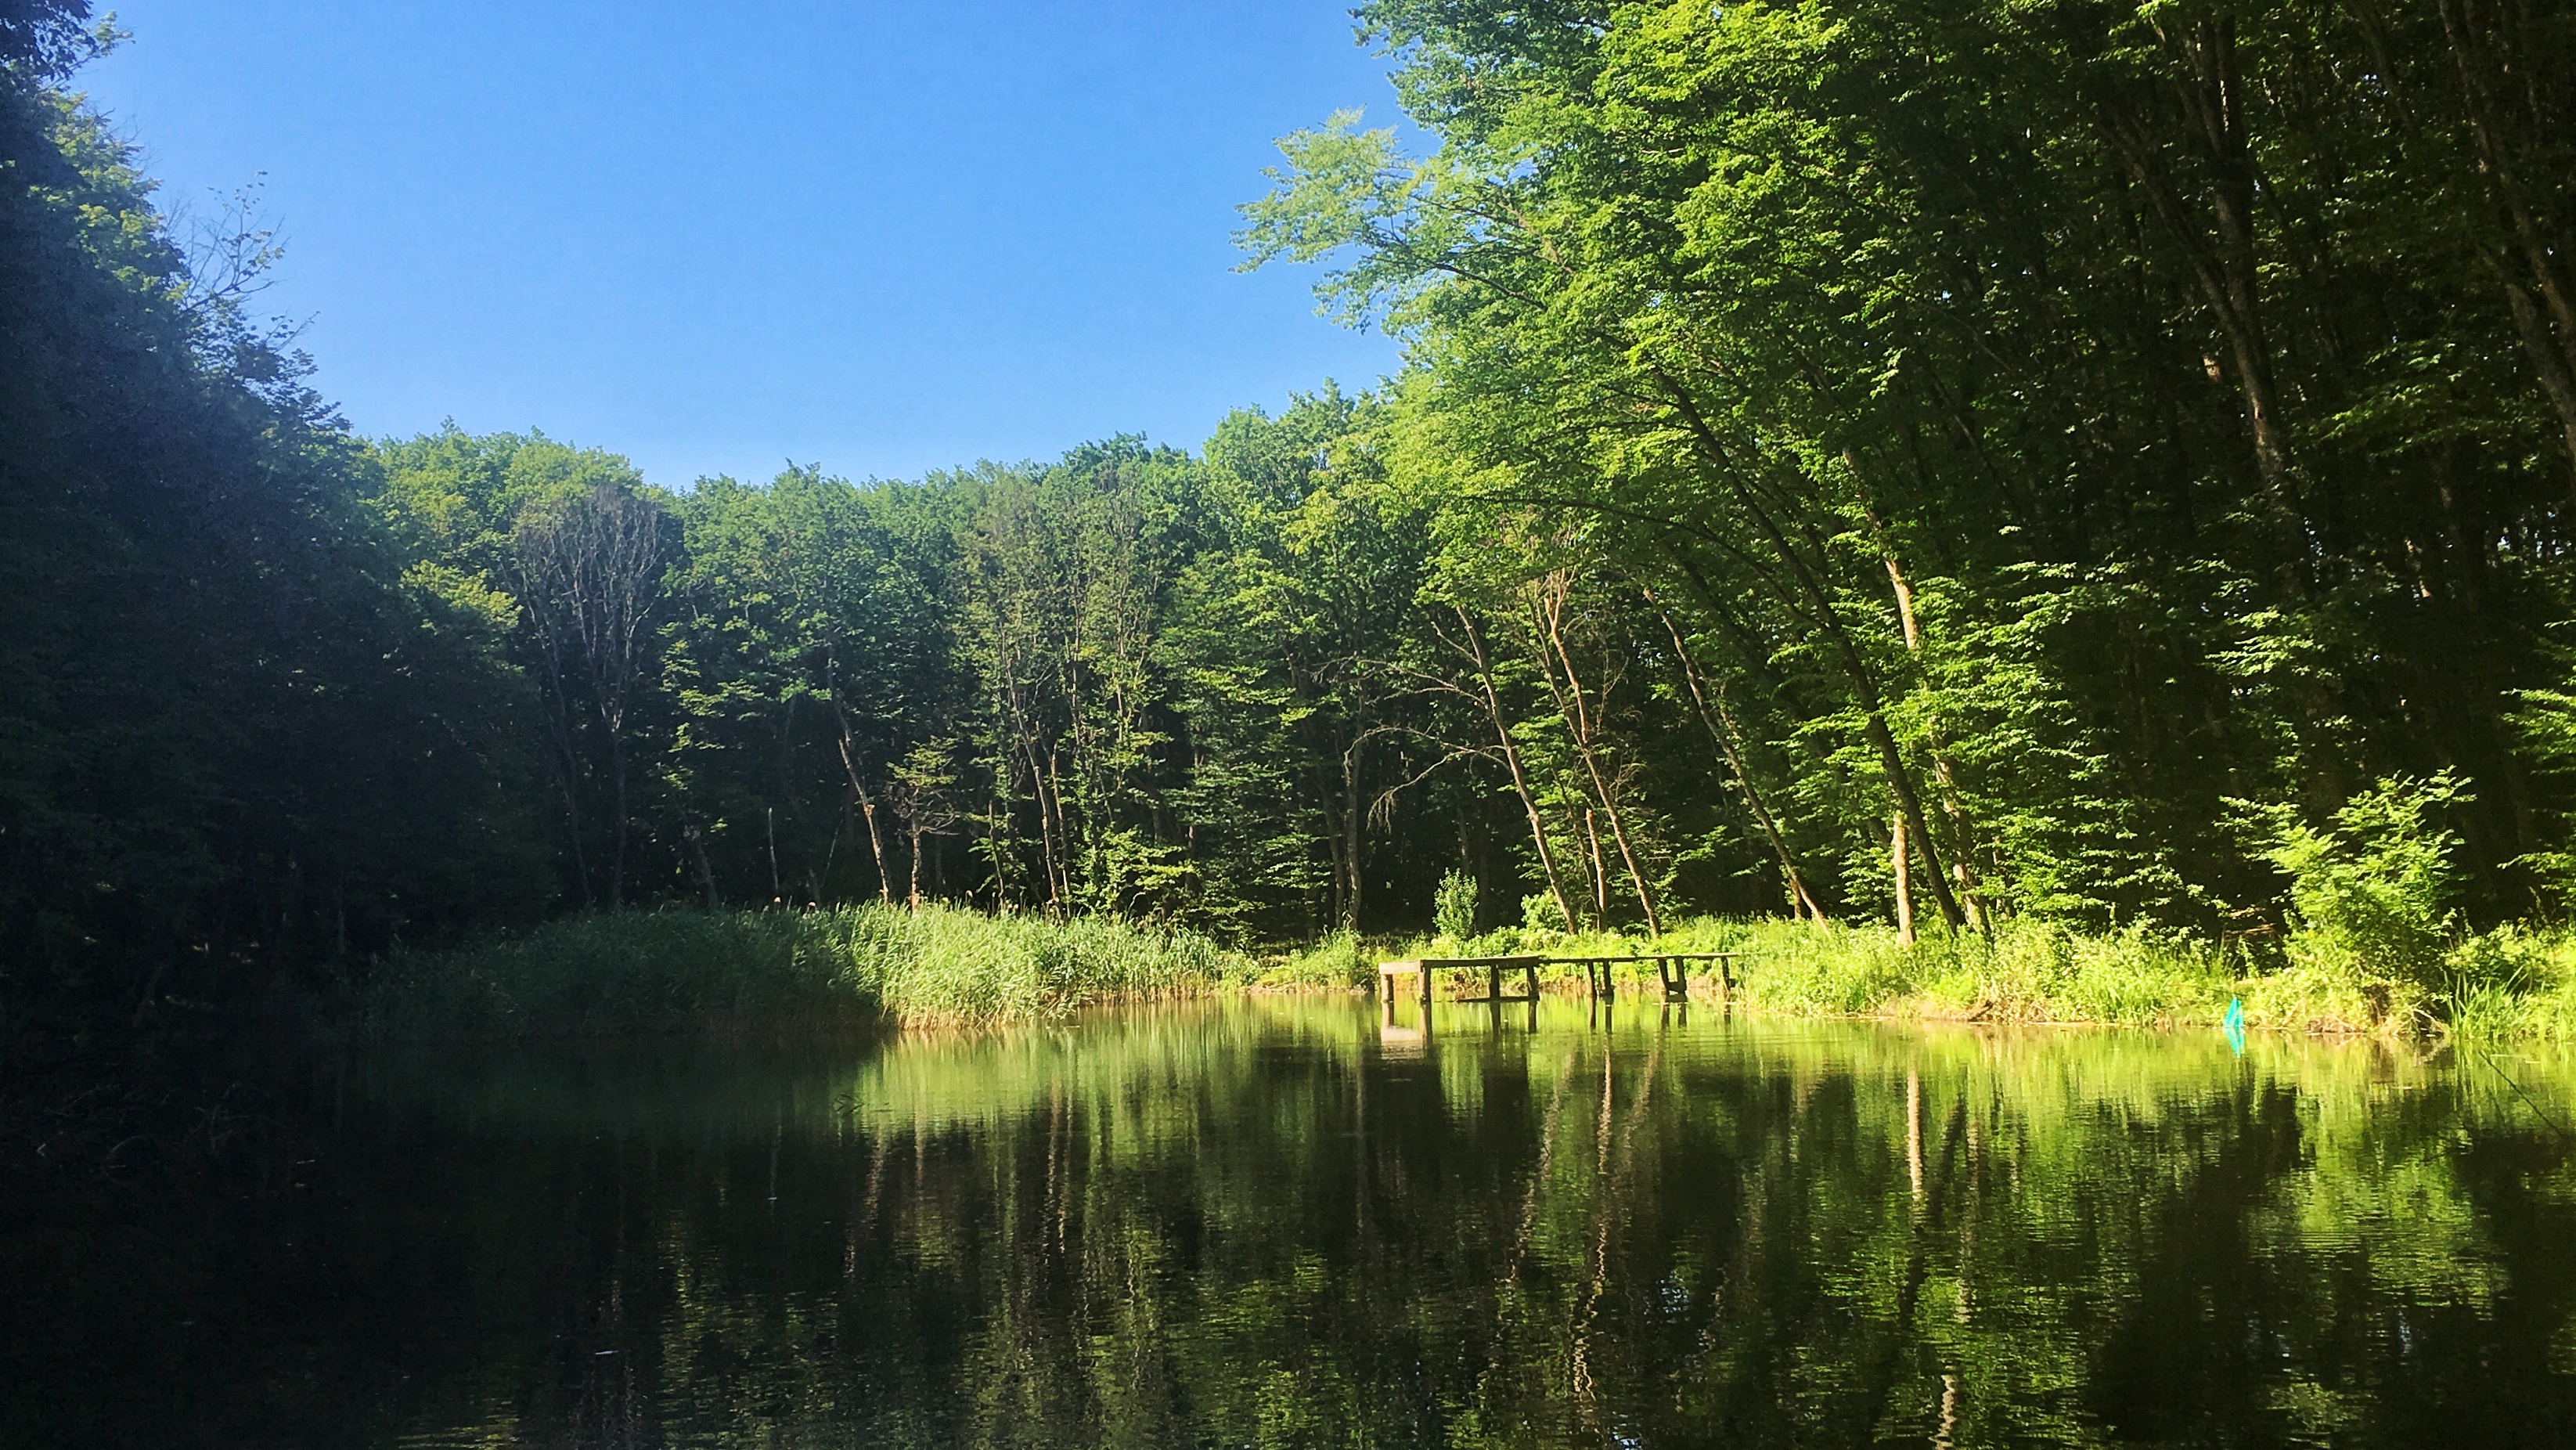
(1286, 1222)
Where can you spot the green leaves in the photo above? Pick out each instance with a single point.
(2058, 321)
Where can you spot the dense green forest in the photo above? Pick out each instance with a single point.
(1937, 462)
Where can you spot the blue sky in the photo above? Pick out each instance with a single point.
(884, 238)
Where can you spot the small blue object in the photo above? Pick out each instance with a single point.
(2235, 1024)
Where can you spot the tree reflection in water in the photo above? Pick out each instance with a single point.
(1246, 1224)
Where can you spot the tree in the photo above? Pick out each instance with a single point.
(590, 573)
(1910, 350)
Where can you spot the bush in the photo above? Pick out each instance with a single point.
(1343, 959)
(2372, 929)
(1453, 906)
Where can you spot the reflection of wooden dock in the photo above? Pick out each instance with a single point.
(1672, 973)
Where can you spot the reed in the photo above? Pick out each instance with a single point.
(616, 973)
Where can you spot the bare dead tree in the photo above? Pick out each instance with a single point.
(1471, 643)
(590, 575)
(1547, 598)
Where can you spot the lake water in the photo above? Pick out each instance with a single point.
(1272, 1222)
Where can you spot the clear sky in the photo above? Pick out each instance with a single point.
(879, 237)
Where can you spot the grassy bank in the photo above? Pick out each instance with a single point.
(2511, 982)
(631, 972)
(635, 972)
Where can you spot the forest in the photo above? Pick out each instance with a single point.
(1938, 463)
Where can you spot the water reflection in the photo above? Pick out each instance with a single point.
(1284, 1222)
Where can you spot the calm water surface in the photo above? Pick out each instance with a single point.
(1274, 1223)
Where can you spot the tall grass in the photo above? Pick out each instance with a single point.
(946, 964)
(642, 972)
(2027, 971)
(1343, 959)
(2513, 981)
(636, 972)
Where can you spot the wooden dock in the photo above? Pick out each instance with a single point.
(1672, 973)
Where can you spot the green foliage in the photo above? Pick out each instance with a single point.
(1339, 959)
(2028, 971)
(947, 965)
(236, 742)
(1453, 906)
(2372, 894)
(1989, 469)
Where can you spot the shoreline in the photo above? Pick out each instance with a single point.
(878, 968)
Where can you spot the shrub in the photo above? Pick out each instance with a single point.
(1343, 959)
(1453, 906)
(2371, 927)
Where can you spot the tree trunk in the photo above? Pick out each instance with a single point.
(565, 761)
(2514, 96)
(617, 847)
(1902, 868)
(1729, 745)
(1512, 759)
(1354, 817)
(696, 838)
(1600, 871)
(2221, 259)
(1909, 808)
(1056, 834)
(867, 806)
(1944, 773)
(1815, 603)
(1580, 721)
(580, 857)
